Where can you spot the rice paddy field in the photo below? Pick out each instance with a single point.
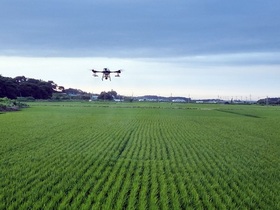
(140, 156)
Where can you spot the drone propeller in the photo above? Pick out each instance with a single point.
(119, 71)
(94, 72)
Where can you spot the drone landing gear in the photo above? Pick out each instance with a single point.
(106, 77)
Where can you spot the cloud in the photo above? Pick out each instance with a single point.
(201, 48)
(138, 28)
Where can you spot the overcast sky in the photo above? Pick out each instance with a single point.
(196, 48)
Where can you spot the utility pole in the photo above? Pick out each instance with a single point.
(267, 100)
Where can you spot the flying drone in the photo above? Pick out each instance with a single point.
(106, 73)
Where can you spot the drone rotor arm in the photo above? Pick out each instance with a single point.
(118, 71)
(95, 71)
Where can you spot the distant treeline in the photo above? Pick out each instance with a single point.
(24, 87)
(269, 101)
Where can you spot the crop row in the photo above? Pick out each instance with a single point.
(137, 159)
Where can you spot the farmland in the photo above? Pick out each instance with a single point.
(140, 156)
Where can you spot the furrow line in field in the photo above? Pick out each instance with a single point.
(111, 167)
(101, 167)
(137, 156)
(113, 178)
(157, 186)
(226, 169)
(77, 166)
(136, 178)
(200, 160)
(144, 187)
(55, 160)
(120, 191)
(180, 165)
(90, 192)
(154, 142)
(144, 160)
(118, 170)
(170, 155)
(206, 182)
(179, 189)
(154, 192)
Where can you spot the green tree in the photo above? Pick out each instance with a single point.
(8, 88)
(105, 96)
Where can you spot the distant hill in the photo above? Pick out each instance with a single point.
(162, 98)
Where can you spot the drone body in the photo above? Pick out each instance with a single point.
(106, 73)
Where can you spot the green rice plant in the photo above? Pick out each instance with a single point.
(139, 156)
